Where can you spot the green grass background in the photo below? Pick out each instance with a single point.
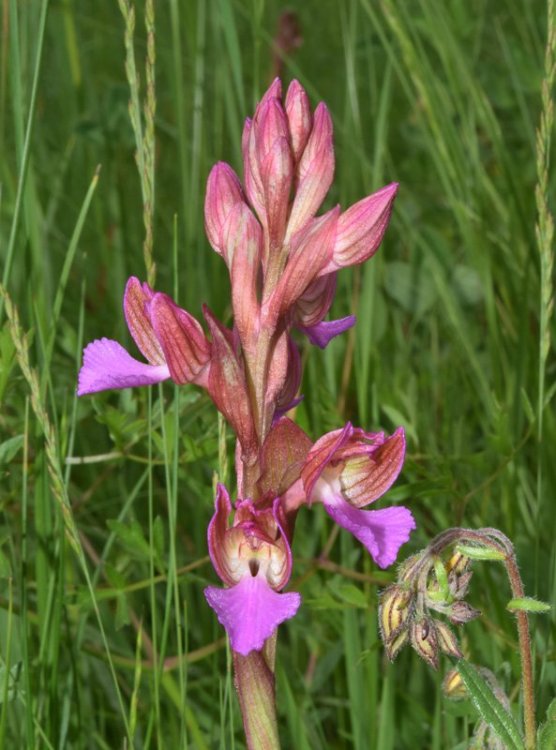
(105, 637)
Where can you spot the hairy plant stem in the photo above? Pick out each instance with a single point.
(525, 655)
(495, 540)
(254, 682)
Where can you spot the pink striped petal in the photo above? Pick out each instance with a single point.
(244, 243)
(251, 173)
(227, 386)
(305, 262)
(361, 228)
(137, 298)
(107, 365)
(251, 611)
(276, 178)
(216, 536)
(316, 170)
(286, 398)
(223, 193)
(299, 116)
(182, 339)
(321, 454)
(271, 124)
(316, 301)
(382, 532)
(370, 470)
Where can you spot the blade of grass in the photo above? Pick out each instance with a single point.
(26, 151)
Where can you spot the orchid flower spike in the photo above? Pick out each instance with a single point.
(280, 253)
(350, 468)
(253, 559)
(170, 339)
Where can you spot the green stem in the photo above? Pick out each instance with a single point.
(254, 681)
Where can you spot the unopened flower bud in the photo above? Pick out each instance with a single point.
(393, 612)
(447, 640)
(314, 172)
(459, 584)
(396, 643)
(424, 639)
(409, 567)
(299, 115)
(223, 193)
(458, 563)
(452, 685)
(462, 612)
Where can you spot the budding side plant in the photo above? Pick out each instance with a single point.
(283, 260)
(434, 583)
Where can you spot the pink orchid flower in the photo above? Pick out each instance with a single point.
(170, 339)
(253, 558)
(350, 468)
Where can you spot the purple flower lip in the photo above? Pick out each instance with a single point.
(251, 611)
(106, 365)
(382, 532)
(322, 333)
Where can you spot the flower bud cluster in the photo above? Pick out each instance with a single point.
(426, 585)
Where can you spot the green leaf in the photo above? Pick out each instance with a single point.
(352, 595)
(489, 707)
(159, 542)
(122, 612)
(131, 537)
(13, 678)
(5, 567)
(9, 448)
(547, 732)
(412, 287)
(476, 552)
(527, 406)
(468, 284)
(114, 577)
(527, 604)
(7, 359)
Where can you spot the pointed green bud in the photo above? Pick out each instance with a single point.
(478, 552)
(435, 595)
(442, 578)
(528, 604)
